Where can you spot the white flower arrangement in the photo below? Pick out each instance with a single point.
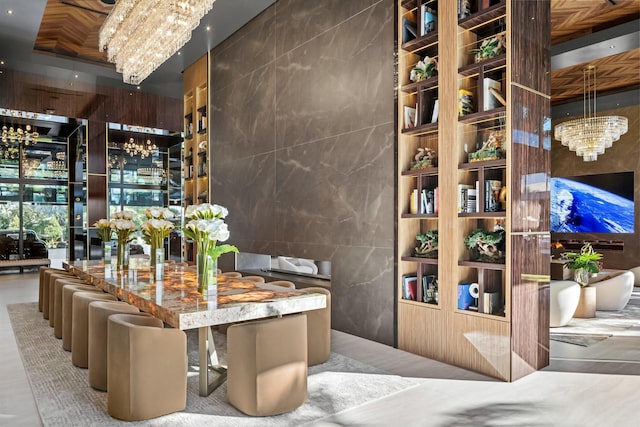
(126, 215)
(158, 213)
(206, 227)
(104, 229)
(423, 69)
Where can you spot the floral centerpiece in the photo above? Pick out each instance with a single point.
(156, 228)
(124, 227)
(104, 233)
(206, 227)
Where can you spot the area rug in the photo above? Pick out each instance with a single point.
(576, 339)
(623, 323)
(64, 398)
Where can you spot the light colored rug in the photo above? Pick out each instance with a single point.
(607, 323)
(64, 398)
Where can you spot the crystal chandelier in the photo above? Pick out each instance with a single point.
(144, 150)
(590, 135)
(139, 35)
(18, 135)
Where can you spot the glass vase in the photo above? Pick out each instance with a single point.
(207, 272)
(158, 263)
(106, 252)
(123, 255)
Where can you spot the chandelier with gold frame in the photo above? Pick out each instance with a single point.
(139, 35)
(590, 135)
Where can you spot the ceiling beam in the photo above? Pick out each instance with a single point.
(612, 41)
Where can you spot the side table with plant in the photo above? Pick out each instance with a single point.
(584, 264)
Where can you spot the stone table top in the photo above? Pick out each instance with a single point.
(176, 301)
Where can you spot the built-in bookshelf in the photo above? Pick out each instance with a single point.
(196, 140)
(472, 164)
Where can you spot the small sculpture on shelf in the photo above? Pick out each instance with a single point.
(424, 69)
(488, 246)
(490, 47)
(424, 159)
(428, 247)
(491, 149)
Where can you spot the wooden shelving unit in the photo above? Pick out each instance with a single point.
(505, 333)
(196, 142)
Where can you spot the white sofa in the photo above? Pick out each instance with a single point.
(636, 273)
(614, 293)
(564, 296)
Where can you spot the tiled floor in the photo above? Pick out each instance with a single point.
(597, 385)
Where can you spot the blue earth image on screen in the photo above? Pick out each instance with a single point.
(581, 208)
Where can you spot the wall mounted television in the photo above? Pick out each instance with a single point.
(599, 203)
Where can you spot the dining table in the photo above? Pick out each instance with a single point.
(171, 294)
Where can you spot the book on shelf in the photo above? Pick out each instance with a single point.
(472, 200)
(429, 20)
(430, 288)
(408, 30)
(427, 202)
(489, 99)
(429, 99)
(434, 115)
(413, 202)
(410, 116)
(436, 195)
(465, 102)
(410, 287)
(462, 197)
(492, 189)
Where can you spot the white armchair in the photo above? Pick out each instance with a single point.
(614, 293)
(564, 296)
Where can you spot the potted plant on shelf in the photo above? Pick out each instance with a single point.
(424, 69)
(428, 247)
(583, 264)
(488, 246)
(490, 47)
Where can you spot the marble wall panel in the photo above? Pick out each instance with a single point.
(362, 286)
(243, 115)
(299, 21)
(338, 82)
(337, 190)
(303, 149)
(245, 51)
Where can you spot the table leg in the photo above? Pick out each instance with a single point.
(208, 361)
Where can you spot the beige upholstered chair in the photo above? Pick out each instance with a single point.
(257, 279)
(56, 291)
(43, 273)
(99, 312)
(564, 296)
(267, 365)
(636, 274)
(319, 329)
(67, 310)
(232, 274)
(80, 325)
(146, 368)
(45, 288)
(614, 293)
(284, 284)
(52, 280)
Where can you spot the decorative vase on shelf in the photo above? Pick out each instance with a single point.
(207, 272)
(123, 255)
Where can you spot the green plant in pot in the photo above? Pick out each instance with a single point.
(487, 245)
(583, 264)
(428, 247)
(490, 47)
(424, 69)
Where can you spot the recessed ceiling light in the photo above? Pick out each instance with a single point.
(10, 12)
(179, 53)
(208, 28)
(1, 62)
(138, 87)
(76, 76)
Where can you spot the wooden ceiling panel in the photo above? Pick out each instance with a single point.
(70, 28)
(575, 18)
(613, 73)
